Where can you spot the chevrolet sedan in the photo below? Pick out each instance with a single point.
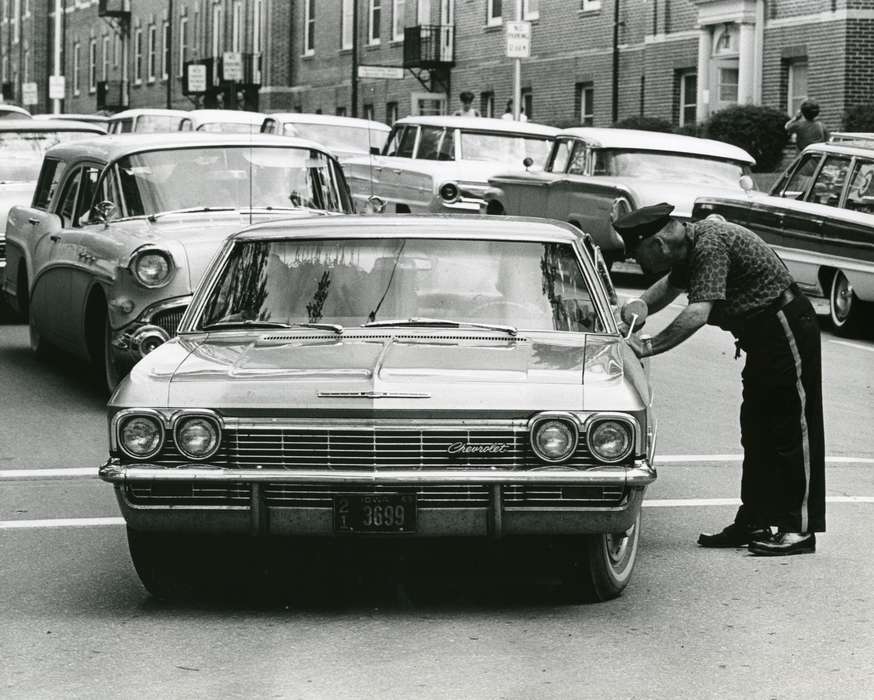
(402, 378)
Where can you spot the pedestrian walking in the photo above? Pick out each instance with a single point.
(467, 109)
(735, 281)
(806, 127)
(508, 112)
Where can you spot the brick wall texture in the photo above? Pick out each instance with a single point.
(571, 45)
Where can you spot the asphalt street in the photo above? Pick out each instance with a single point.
(75, 622)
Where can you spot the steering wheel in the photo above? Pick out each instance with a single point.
(528, 308)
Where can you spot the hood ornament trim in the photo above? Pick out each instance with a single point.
(371, 395)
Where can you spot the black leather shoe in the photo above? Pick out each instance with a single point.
(785, 543)
(734, 535)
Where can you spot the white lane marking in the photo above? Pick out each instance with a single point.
(58, 522)
(663, 460)
(869, 348)
(56, 473)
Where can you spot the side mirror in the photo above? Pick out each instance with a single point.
(374, 150)
(634, 313)
(102, 212)
(528, 162)
(747, 184)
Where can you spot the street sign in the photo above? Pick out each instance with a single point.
(518, 39)
(385, 72)
(29, 94)
(195, 74)
(232, 66)
(57, 87)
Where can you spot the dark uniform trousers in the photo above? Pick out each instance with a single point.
(783, 481)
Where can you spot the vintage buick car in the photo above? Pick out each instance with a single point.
(594, 175)
(442, 164)
(819, 217)
(147, 120)
(105, 259)
(401, 377)
(22, 145)
(222, 121)
(346, 137)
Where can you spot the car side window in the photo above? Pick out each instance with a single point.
(429, 143)
(800, 179)
(69, 197)
(87, 188)
(49, 179)
(561, 154)
(579, 159)
(407, 142)
(447, 146)
(860, 195)
(830, 181)
(391, 146)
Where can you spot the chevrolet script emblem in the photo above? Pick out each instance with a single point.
(479, 449)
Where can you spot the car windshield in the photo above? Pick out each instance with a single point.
(504, 148)
(22, 151)
(228, 176)
(156, 123)
(352, 139)
(667, 167)
(350, 282)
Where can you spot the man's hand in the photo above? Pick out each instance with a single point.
(639, 346)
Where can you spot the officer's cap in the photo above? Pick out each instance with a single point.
(642, 223)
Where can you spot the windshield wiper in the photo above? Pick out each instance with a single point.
(440, 322)
(222, 325)
(190, 210)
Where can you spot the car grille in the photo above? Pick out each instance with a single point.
(167, 493)
(321, 496)
(538, 497)
(169, 319)
(373, 450)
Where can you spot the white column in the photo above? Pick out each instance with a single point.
(746, 81)
(705, 48)
(760, 51)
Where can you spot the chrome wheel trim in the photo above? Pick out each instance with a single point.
(841, 299)
(617, 545)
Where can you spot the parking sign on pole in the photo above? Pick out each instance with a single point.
(519, 39)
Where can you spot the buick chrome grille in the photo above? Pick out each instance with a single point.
(169, 319)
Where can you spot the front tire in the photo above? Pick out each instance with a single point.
(845, 308)
(600, 566)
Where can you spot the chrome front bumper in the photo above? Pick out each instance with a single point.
(136, 340)
(494, 519)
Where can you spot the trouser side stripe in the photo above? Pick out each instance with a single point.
(805, 441)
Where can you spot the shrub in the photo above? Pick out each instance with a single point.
(691, 129)
(859, 118)
(645, 124)
(756, 129)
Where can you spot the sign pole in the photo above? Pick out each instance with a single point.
(354, 95)
(58, 41)
(517, 73)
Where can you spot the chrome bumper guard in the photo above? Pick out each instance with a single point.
(140, 337)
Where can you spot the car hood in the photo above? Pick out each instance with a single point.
(317, 370)
(681, 194)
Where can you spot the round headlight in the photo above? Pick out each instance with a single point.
(610, 440)
(152, 269)
(141, 437)
(554, 440)
(449, 192)
(197, 437)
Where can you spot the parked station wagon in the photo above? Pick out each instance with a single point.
(147, 121)
(222, 121)
(819, 218)
(395, 377)
(594, 175)
(442, 164)
(346, 137)
(105, 259)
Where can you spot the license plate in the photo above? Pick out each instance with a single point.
(375, 512)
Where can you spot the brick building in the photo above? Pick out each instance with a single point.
(678, 59)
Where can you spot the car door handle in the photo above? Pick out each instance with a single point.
(33, 221)
(397, 171)
(55, 237)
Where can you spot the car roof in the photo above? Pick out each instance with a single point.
(114, 146)
(308, 118)
(49, 125)
(82, 116)
(858, 147)
(226, 116)
(637, 139)
(129, 113)
(482, 124)
(412, 225)
(6, 107)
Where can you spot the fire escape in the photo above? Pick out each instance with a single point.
(429, 54)
(112, 95)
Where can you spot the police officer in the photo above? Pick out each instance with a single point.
(735, 281)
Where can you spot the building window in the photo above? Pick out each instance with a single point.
(374, 17)
(727, 85)
(527, 102)
(92, 66)
(217, 26)
(183, 45)
(493, 12)
(585, 104)
(138, 56)
(165, 56)
(340, 111)
(104, 66)
(391, 112)
(237, 26)
(309, 27)
(688, 98)
(257, 26)
(487, 104)
(397, 20)
(590, 5)
(796, 91)
(153, 53)
(530, 9)
(346, 25)
(368, 112)
(76, 58)
(423, 12)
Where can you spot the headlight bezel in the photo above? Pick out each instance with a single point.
(178, 422)
(127, 416)
(538, 423)
(630, 426)
(138, 257)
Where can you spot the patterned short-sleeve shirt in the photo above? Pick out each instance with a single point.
(732, 267)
